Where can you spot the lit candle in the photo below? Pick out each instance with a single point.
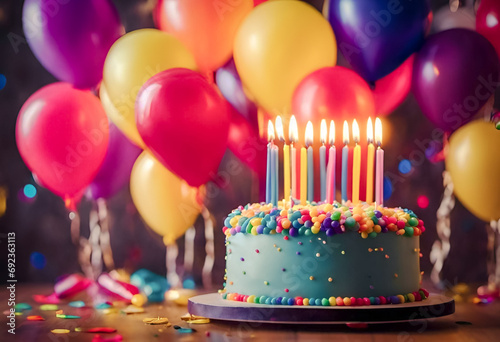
(356, 163)
(275, 175)
(293, 135)
(322, 160)
(303, 175)
(330, 171)
(270, 138)
(310, 162)
(379, 173)
(370, 161)
(345, 161)
(286, 158)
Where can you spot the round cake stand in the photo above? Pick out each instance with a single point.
(213, 306)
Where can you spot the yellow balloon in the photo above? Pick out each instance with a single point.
(128, 127)
(131, 61)
(475, 168)
(277, 45)
(167, 204)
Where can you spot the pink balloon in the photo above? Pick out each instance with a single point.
(488, 22)
(184, 121)
(390, 91)
(62, 135)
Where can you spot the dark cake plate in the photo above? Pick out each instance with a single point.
(213, 306)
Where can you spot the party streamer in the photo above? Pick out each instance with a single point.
(170, 261)
(209, 248)
(189, 251)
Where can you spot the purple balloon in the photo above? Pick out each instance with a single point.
(454, 75)
(71, 38)
(115, 170)
(377, 36)
(229, 83)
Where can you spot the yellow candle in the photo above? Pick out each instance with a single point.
(370, 162)
(286, 159)
(303, 175)
(356, 163)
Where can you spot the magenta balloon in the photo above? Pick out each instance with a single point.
(229, 83)
(454, 75)
(115, 170)
(71, 38)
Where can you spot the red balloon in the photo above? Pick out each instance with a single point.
(258, 2)
(488, 22)
(184, 122)
(333, 93)
(62, 135)
(390, 91)
(246, 144)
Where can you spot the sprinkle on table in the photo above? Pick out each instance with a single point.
(49, 307)
(132, 309)
(60, 331)
(155, 321)
(35, 318)
(77, 304)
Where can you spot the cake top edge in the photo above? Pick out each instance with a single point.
(327, 218)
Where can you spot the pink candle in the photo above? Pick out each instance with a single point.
(379, 171)
(330, 170)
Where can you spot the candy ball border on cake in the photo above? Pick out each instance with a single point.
(324, 222)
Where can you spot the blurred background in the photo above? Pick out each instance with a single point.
(40, 220)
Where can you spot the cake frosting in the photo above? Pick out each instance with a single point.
(322, 254)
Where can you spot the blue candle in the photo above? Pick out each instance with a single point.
(269, 171)
(275, 175)
(345, 161)
(310, 162)
(322, 161)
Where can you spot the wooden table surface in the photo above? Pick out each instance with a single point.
(469, 323)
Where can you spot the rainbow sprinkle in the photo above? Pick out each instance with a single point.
(368, 221)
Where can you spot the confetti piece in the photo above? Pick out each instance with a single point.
(77, 304)
(50, 299)
(155, 321)
(18, 313)
(22, 307)
(59, 312)
(67, 316)
(49, 307)
(110, 311)
(98, 338)
(104, 330)
(60, 331)
(102, 306)
(132, 309)
(199, 321)
(185, 330)
(35, 318)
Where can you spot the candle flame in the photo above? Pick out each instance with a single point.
(293, 132)
(324, 132)
(378, 131)
(369, 131)
(309, 134)
(270, 131)
(331, 134)
(346, 133)
(355, 131)
(279, 129)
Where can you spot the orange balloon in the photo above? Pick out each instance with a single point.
(207, 28)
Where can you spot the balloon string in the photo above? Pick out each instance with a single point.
(171, 265)
(189, 250)
(493, 249)
(441, 247)
(209, 248)
(104, 239)
(81, 243)
(93, 242)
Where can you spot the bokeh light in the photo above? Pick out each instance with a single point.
(3, 201)
(29, 190)
(387, 188)
(3, 81)
(188, 283)
(38, 260)
(404, 166)
(423, 201)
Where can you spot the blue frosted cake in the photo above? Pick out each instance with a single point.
(322, 255)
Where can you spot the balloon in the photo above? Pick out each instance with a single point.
(207, 28)
(72, 38)
(115, 169)
(390, 91)
(277, 45)
(474, 168)
(131, 61)
(62, 135)
(258, 2)
(229, 83)
(335, 93)
(445, 19)
(244, 141)
(116, 288)
(376, 36)
(184, 121)
(454, 75)
(124, 123)
(488, 22)
(166, 203)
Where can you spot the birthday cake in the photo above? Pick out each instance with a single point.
(322, 254)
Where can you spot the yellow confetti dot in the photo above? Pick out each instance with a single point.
(251, 299)
(395, 275)
(330, 280)
(155, 321)
(139, 299)
(311, 278)
(347, 301)
(305, 301)
(333, 301)
(60, 331)
(343, 252)
(318, 255)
